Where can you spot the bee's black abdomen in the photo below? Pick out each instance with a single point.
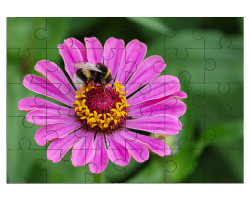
(81, 75)
(99, 78)
(109, 79)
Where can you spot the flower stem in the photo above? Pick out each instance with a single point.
(99, 178)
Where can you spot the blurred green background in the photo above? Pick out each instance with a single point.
(205, 53)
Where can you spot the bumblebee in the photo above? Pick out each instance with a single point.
(88, 72)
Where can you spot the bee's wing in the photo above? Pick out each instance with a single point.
(87, 66)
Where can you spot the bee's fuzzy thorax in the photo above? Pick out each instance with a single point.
(87, 72)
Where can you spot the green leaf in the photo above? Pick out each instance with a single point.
(226, 133)
(152, 23)
(153, 172)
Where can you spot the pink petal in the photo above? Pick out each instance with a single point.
(32, 103)
(94, 50)
(171, 107)
(162, 124)
(41, 86)
(84, 151)
(100, 159)
(55, 75)
(41, 117)
(157, 146)
(54, 131)
(113, 50)
(76, 43)
(160, 87)
(137, 150)
(131, 59)
(70, 55)
(179, 95)
(61, 146)
(151, 66)
(117, 153)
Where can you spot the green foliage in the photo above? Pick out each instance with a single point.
(210, 145)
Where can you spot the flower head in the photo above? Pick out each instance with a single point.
(98, 122)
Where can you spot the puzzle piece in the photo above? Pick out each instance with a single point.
(51, 72)
(50, 172)
(175, 34)
(208, 165)
(26, 28)
(213, 109)
(224, 148)
(233, 68)
(19, 158)
(60, 144)
(178, 164)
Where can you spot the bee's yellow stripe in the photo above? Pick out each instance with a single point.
(86, 73)
(107, 74)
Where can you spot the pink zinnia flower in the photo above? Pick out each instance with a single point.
(98, 126)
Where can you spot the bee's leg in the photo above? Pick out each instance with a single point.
(88, 80)
(103, 84)
(104, 90)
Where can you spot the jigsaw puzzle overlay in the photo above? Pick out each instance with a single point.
(198, 93)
